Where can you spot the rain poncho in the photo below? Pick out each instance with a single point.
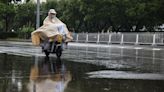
(50, 29)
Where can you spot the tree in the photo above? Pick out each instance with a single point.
(71, 14)
(161, 11)
(25, 15)
(5, 1)
(88, 15)
(7, 16)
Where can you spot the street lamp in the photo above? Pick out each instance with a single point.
(38, 14)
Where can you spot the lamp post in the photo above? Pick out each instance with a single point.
(38, 14)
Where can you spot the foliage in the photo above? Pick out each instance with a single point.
(25, 15)
(25, 32)
(5, 35)
(7, 14)
(26, 29)
(87, 15)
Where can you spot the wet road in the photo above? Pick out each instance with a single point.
(82, 68)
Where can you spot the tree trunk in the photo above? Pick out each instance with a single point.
(6, 23)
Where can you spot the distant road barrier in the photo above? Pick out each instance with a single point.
(121, 38)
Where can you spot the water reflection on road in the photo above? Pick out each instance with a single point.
(82, 69)
(49, 76)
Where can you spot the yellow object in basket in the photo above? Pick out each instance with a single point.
(59, 38)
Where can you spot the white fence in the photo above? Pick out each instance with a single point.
(121, 38)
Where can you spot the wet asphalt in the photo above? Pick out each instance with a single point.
(82, 68)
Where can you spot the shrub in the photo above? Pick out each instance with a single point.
(25, 32)
(5, 35)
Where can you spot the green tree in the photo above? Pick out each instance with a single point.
(71, 14)
(161, 11)
(88, 15)
(25, 15)
(7, 14)
(5, 1)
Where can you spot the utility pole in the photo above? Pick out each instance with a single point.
(38, 14)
